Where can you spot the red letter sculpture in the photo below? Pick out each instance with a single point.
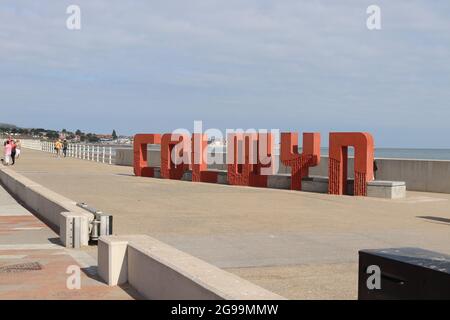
(199, 155)
(141, 141)
(180, 145)
(245, 169)
(337, 166)
(299, 163)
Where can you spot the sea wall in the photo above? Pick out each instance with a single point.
(53, 208)
(419, 175)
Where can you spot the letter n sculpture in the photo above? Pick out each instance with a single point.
(337, 166)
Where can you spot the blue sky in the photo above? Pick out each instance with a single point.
(154, 66)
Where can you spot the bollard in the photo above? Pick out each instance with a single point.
(73, 229)
(70, 230)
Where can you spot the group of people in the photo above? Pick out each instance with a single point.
(11, 151)
(61, 145)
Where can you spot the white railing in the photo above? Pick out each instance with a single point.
(31, 144)
(95, 153)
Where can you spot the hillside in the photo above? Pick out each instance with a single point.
(7, 126)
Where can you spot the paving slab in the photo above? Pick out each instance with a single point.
(297, 244)
(34, 265)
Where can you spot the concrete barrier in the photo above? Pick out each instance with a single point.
(52, 207)
(160, 272)
(418, 175)
(317, 182)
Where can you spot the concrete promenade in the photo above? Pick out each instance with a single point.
(297, 244)
(33, 264)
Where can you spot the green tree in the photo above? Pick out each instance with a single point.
(114, 135)
(52, 134)
(91, 137)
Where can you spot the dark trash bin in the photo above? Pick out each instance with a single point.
(405, 273)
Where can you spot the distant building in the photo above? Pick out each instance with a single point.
(77, 138)
(104, 137)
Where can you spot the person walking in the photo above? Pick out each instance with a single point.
(13, 152)
(65, 145)
(7, 153)
(375, 169)
(58, 146)
(18, 148)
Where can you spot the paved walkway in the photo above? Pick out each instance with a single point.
(297, 244)
(33, 264)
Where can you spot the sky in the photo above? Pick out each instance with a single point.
(294, 65)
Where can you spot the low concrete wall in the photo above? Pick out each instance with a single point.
(124, 157)
(48, 204)
(160, 272)
(419, 175)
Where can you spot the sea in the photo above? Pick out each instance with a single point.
(406, 153)
(390, 153)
